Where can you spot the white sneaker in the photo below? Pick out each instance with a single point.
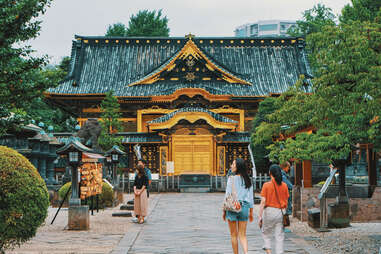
(135, 220)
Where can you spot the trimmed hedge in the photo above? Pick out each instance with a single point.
(106, 198)
(24, 199)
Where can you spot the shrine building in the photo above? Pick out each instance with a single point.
(190, 100)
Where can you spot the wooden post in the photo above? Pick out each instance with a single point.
(298, 173)
(307, 173)
(372, 166)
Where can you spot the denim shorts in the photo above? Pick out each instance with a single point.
(243, 215)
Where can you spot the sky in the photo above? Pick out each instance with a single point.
(66, 18)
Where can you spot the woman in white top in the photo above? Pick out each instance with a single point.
(244, 190)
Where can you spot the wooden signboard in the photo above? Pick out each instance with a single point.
(91, 178)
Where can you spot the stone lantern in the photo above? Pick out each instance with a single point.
(115, 153)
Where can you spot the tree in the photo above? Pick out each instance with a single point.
(148, 23)
(345, 104)
(20, 78)
(260, 153)
(361, 10)
(41, 111)
(117, 29)
(313, 21)
(110, 122)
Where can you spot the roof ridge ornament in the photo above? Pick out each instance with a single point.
(190, 36)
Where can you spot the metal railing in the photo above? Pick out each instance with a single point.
(172, 183)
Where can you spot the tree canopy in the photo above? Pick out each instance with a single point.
(148, 23)
(344, 104)
(117, 29)
(20, 77)
(110, 122)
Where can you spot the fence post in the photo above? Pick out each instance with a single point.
(178, 183)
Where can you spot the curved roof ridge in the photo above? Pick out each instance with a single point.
(168, 116)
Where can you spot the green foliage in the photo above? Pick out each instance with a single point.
(64, 188)
(110, 122)
(148, 23)
(313, 21)
(106, 198)
(41, 111)
(24, 199)
(360, 10)
(344, 107)
(20, 76)
(117, 29)
(266, 107)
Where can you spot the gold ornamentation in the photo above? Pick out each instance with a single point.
(137, 41)
(189, 36)
(106, 41)
(85, 41)
(157, 41)
(96, 41)
(127, 41)
(148, 41)
(190, 49)
(190, 76)
(190, 62)
(117, 41)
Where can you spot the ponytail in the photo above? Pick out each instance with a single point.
(275, 171)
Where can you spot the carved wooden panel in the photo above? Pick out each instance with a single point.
(234, 151)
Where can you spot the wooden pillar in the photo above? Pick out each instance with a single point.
(372, 166)
(307, 173)
(298, 173)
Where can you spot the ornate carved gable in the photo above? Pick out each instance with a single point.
(190, 65)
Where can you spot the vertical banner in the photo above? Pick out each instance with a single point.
(163, 160)
(221, 161)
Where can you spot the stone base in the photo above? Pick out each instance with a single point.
(118, 197)
(79, 218)
(338, 215)
(314, 217)
(195, 189)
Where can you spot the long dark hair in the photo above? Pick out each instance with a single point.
(141, 171)
(242, 170)
(275, 171)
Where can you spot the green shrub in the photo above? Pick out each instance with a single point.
(24, 199)
(62, 191)
(106, 198)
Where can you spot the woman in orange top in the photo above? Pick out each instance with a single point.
(274, 198)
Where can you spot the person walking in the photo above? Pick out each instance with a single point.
(285, 166)
(244, 192)
(140, 191)
(274, 196)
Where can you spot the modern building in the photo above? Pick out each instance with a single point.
(265, 28)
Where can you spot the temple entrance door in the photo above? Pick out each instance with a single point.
(192, 154)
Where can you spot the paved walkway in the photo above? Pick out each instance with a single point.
(192, 223)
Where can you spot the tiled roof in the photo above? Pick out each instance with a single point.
(216, 116)
(237, 137)
(139, 137)
(97, 66)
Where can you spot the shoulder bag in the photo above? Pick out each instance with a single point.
(231, 202)
(286, 219)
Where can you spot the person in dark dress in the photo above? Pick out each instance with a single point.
(140, 191)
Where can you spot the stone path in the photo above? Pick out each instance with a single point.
(192, 223)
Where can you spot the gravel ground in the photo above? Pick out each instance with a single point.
(104, 234)
(360, 238)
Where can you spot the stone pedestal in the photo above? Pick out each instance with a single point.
(79, 218)
(338, 215)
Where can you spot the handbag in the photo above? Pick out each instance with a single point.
(231, 202)
(286, 219)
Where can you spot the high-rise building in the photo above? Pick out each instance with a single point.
(264, 28)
